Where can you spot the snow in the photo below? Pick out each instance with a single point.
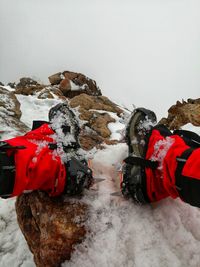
(35, 109)
(163, 234)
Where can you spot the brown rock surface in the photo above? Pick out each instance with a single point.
(9, 104)
(89, 141)
(28, 86)
(26, 82)
(86, 84)
(72, 84)
(183, 113)
(88, 102)
(10, 112)
(45, 93)
(55, 78)
(65, 86)
(29, 90)
(51, 226)
(97, 121)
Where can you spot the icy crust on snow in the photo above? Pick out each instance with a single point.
(13, 247)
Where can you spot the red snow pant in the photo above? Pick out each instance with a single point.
(178, 172)
(36, 166)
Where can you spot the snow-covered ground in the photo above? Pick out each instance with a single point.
(164, 234)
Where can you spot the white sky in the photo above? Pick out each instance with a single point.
(144, 52)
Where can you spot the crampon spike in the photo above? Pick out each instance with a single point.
(116, 194)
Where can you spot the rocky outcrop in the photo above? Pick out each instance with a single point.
(87, 102)
(51, 226)
(182, 113)
(26, 82)
(72, 84)
(1, 84)
(28, 86)
(93, 110)
(10, 112)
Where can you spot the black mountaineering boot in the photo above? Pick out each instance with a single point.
(133, 174)
(64, 122)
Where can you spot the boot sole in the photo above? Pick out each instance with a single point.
(131, 136)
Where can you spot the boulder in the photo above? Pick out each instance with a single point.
(88, 102)
(72, 84)
(26, 82)
(94, 110)
(82, 83)
(55, 78)
(45, 93)
(182, 113)
(88, 141)
(28, 90)
(65, 86)
(28, 86)
(9, 104)
(12, 85)
(51, 226)
(10, 112)
(50, 92)
(99, 123)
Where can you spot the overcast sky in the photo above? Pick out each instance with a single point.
(141, 52)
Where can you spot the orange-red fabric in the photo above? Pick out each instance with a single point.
(37, 167)
(161, 182)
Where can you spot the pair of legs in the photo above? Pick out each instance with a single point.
(160, 163)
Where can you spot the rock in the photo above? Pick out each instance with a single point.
(52, 226)
(12, 85)
(73, 84)
(28, 86)
(1, 84)
(99, 123)
(45, 93)
(183, 113)
(10, 113)
(65, 86)
(26, 82)
(9, 104)
(88, 141)
(88, 107)
(29, 90)
(95, 102)
(55, 78)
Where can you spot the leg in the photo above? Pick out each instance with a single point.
(166, 166)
